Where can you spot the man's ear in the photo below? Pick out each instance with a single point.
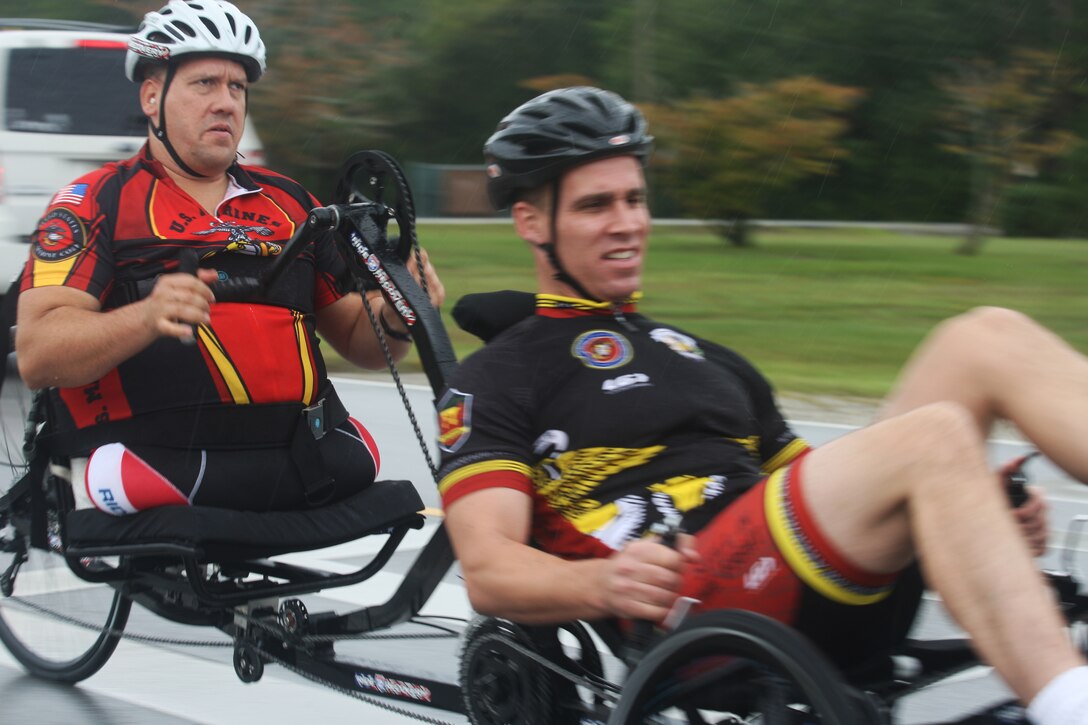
(150, 98)
(530, 222)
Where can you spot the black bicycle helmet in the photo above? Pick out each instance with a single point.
(542, 138)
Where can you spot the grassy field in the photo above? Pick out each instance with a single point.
(819, 311)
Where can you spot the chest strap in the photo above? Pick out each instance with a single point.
(225, 428)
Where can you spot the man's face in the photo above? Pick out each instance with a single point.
(205, 113)
(602, 226)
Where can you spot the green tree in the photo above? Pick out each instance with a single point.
(726, 158)
(473, 59)
(1001, 117)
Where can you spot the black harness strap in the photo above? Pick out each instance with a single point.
(224, 427)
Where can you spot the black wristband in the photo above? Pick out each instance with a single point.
(390, 332)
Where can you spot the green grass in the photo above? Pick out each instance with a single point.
(818, 311)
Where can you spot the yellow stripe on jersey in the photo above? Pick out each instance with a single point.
(793, 449)
(550, 301)
(224, 365)
(476, 469)
(596, 519)
(686, 492)
(305, 359)
(49, 274)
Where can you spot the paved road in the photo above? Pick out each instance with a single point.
(169, 684)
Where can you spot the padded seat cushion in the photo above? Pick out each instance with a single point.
(218, 533)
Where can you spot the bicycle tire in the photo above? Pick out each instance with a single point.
(775, 671)
(56, 625)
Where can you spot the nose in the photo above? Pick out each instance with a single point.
(228, 100)
(628, 218)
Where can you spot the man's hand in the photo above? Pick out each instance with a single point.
(1032, 517)
(643, 580)
(179, 301)
(435, 290)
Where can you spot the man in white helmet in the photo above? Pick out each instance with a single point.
(104, 302)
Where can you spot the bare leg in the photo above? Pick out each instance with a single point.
(918, 485)
(1000, 364)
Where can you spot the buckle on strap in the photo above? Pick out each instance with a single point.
(316, 421)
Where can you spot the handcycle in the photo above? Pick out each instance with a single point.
(83, 569)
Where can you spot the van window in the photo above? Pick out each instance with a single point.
(78, 91)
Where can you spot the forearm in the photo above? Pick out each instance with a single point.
(366, 350)
(527, 585)
(68, 347)
(346, 326)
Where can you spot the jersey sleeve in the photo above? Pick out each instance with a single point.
(778, 444)
(483, 427)
(70, 247)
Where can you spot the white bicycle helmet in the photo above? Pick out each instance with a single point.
(190, 27)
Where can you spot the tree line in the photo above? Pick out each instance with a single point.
(919, 111)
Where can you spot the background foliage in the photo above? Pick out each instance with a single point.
(427, 80)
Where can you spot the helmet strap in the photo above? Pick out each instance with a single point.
(160, 132)
(561, 274)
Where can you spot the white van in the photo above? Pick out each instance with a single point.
(66, 108)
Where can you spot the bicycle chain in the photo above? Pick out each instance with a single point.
(407, 226)
(611, 693)
(392, 365)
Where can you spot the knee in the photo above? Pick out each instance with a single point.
(938, 434)
(988, 326)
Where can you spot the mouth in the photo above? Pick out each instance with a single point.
(221, 128)
(622, 254)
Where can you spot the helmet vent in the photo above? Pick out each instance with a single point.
(184, 28)
(211, 27)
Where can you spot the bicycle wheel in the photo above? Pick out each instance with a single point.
(57, 625)
(736, 666)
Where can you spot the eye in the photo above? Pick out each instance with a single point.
(594, 203)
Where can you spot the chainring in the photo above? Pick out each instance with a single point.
(499, 686)
(375, 177)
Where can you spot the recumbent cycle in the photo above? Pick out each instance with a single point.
(69, 578)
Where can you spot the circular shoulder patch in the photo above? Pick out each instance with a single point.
(601, 349)
(60, 235)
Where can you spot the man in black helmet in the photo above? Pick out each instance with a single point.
(575, 430)
(243, 415)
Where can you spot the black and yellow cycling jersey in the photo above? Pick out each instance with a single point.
(610, 421)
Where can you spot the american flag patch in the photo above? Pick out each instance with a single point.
(71, 194)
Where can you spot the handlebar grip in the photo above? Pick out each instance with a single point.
(188, 261)
(1018, 493)
(236, 289)
(642, 633)
(1015, 479)
(325, 217)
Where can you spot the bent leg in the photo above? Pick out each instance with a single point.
(998, 363)
(918, 485)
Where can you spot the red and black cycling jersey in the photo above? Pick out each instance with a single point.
(114, 230)
(609, 422)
